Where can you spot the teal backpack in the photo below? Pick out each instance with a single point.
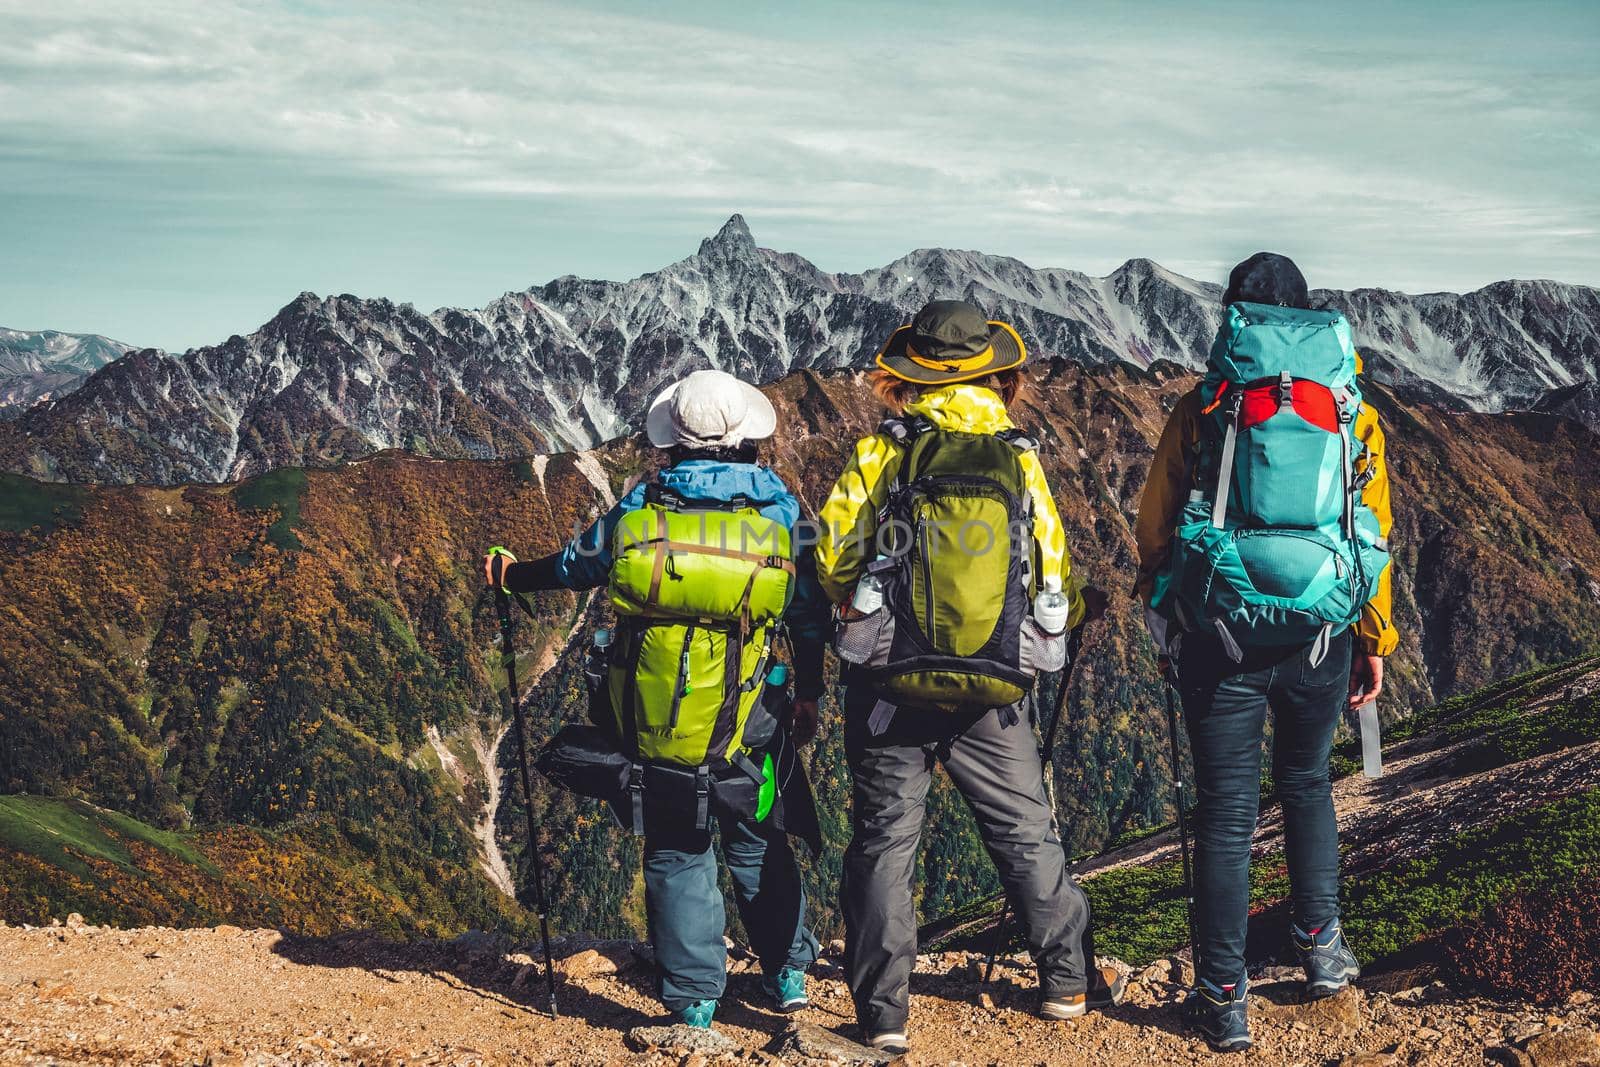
(1275, 546)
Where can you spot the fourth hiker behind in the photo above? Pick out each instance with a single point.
(1264, 559)
(938, 543)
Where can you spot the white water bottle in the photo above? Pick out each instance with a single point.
(1051, 608)
(868, 597)
(1371, 740)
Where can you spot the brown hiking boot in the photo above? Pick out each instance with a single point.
(1106, 987)
(1107, 991)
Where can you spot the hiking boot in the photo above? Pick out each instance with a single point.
(698, 1014)
(787, 989)
(891, 1041)
(1329, 963)
(1106, 987)
(1220, 1014)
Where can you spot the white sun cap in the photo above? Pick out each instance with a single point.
(709, 409)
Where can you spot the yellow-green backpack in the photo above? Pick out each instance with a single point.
(699, 589)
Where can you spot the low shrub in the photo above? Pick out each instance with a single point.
(1539, 945)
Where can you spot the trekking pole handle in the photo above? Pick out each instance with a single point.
(497, 566)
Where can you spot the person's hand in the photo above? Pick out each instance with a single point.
(488, 566)
(803, 722)
(1169, 673)
(1094, 602)
(1366, 679)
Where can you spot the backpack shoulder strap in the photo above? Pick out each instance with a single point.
(1230, 440)
(661, 496)
(664, 496)
(902, 429)
(1019, 439)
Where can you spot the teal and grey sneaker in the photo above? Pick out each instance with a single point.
(1221, 1014)
(698, 1014)
(787, 989)
(1329, 963)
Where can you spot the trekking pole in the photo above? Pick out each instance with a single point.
(513, 700)
(1074, 643)
(1183, 818)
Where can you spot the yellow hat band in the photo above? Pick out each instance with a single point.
(966, 363)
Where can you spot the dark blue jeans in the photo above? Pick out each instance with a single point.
(1224, 708)
(685, 910)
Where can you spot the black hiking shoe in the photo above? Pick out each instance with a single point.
(1329, 963)
(1220, 1013)
(891, 1041)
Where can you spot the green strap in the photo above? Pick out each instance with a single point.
(768, 792)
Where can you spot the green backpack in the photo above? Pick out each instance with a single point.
(957, 570)
(699, 589)
(1275, 546)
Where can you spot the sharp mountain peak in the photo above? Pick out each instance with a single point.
(573, 362)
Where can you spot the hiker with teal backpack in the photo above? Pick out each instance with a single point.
(692, 716)
(947, 561)
(1264, 563)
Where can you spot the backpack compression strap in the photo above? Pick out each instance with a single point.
(665, 546)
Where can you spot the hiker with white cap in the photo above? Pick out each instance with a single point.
(702, 569)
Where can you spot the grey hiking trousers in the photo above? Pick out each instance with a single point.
(996, 768)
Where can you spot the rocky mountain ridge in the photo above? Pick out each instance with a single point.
(38, 365)
(573, 362)
(269, 662)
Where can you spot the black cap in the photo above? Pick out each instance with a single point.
(1268, 278)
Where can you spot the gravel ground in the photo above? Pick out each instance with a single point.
(77, 994)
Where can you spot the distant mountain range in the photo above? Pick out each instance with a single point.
(301, 666)
(44, 364)
(572, 363)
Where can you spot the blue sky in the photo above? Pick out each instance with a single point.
(173, 172)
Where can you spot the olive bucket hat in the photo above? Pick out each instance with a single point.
(951, 341)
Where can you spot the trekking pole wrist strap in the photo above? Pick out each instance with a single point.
(499, 554)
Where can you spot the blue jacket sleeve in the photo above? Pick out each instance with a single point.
(586, 561)
(810, 623)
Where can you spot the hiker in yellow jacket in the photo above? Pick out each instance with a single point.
(1228, 673)
(954, 372)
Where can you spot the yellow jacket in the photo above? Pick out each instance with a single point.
(1168, 488)
(849, 518)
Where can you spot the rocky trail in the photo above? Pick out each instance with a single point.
(79, 994)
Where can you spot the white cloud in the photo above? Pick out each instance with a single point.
(1146, 135)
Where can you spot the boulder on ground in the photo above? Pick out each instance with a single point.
(1338, 1014)
(1577, 1047)
(807, 1041)
(680, 1039)
(586, 963)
